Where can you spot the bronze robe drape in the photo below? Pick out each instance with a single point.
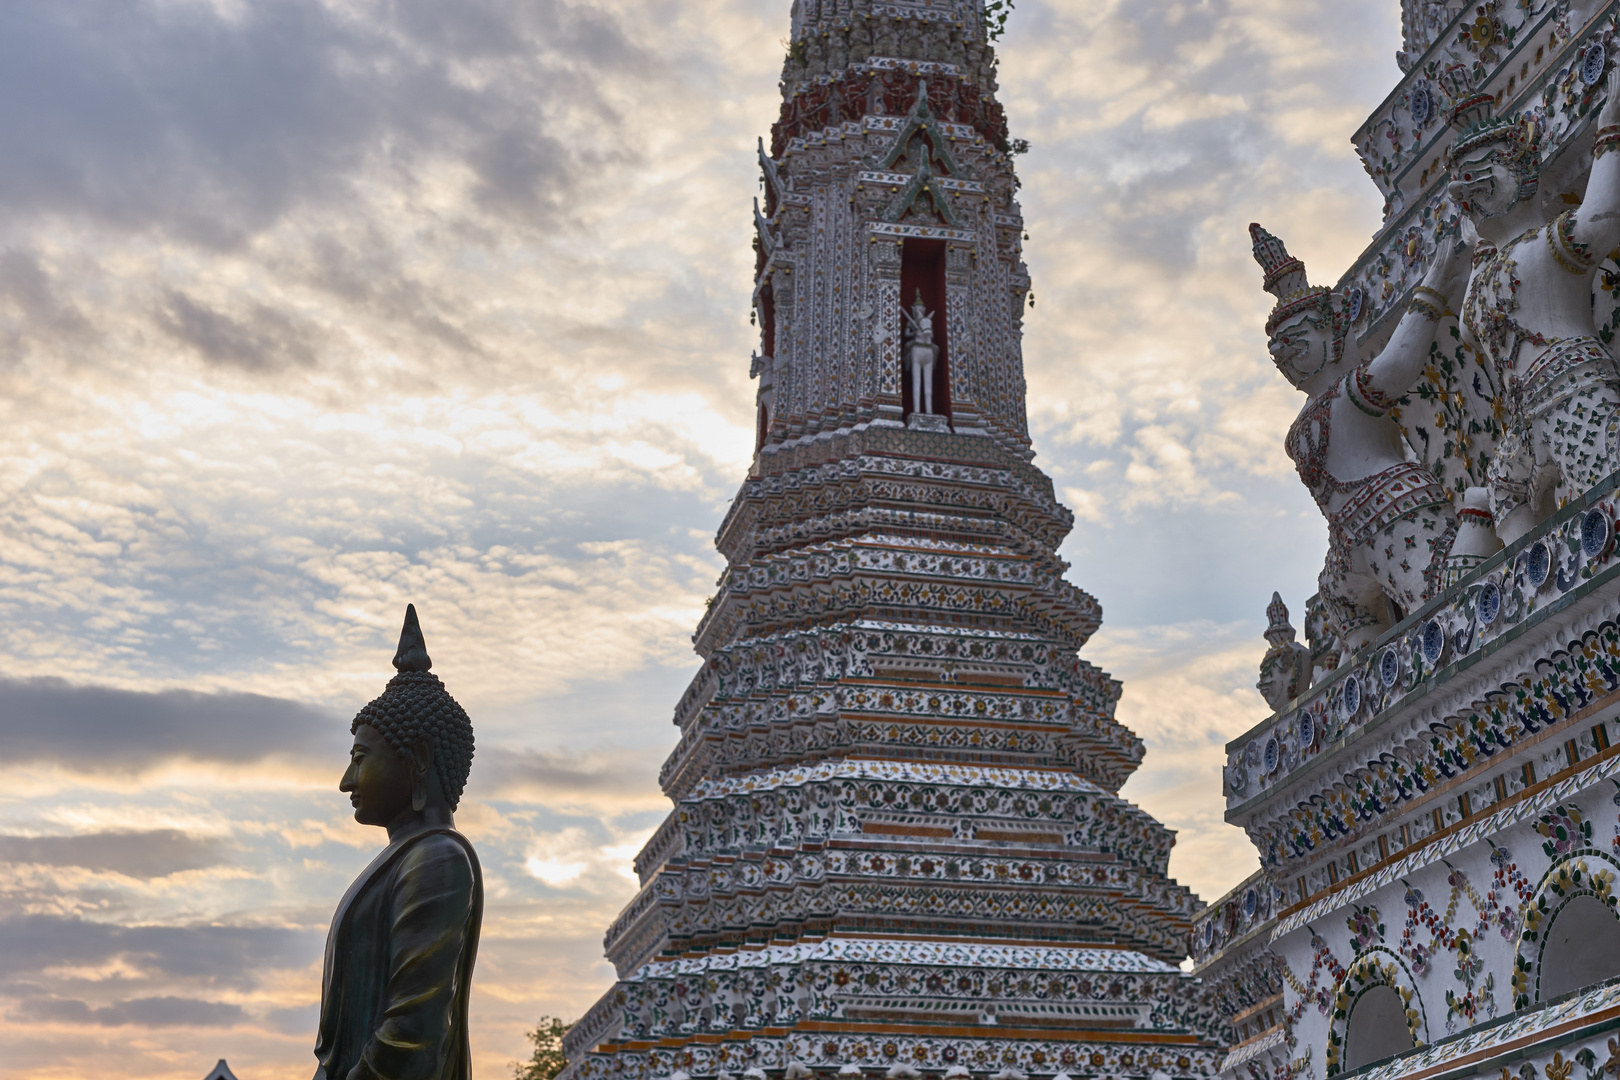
(399, 961)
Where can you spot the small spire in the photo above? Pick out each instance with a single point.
(1285, 275)
(1279, 631)
(412, 654)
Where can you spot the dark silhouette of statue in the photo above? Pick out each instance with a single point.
(399, 956)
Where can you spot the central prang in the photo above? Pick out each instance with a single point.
(897, 846)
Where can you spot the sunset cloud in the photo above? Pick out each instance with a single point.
(312, 309)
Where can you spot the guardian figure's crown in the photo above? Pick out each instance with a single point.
(1472, 115)
(1285, 279)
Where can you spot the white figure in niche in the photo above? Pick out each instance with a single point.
(1528, 308)
(1390, 525)
(921, 352)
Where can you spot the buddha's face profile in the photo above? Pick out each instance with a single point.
(378, 779)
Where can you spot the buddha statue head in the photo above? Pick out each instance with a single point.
(413, 745)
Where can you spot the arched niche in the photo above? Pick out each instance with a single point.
(922, 276)
(1583, 947)
(1377, 1028)
(1570, 935)
(1377, 1012)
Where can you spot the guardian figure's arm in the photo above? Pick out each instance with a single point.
(1592, 230)
(1392, 372)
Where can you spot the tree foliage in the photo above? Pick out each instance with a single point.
(548, 1059)
(995, 18)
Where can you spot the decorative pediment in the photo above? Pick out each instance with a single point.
(920, 141)
(923, 196)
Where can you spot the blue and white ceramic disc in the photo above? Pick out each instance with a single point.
(1594, 533)
(1389, 667)
(1592, 64)
(1538, 564)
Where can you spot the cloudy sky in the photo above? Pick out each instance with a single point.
(309, 309)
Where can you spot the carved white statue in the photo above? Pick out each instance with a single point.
(1390, 525)
(921, 352)
(1528, 308)
(1476, 539)
(1321, 640)
(1285, 670)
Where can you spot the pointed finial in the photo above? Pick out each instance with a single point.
(412, 654)
(1279, 631)
(1279, 266)
(1285, 279)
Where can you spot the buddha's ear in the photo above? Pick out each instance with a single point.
(421, 756)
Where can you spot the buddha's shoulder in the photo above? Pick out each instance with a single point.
(439, 849)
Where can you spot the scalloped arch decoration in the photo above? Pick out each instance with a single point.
(1583, 872)
(1373, 967)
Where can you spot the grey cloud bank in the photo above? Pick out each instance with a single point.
(220, 957)
(151, 1012)
(214, 122)
(138, 853)
(95, 728)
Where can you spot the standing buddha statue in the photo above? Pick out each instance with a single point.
(399, 957)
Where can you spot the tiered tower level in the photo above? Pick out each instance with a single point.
(897, 845)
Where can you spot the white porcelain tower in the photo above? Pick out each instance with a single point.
(897, 845)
